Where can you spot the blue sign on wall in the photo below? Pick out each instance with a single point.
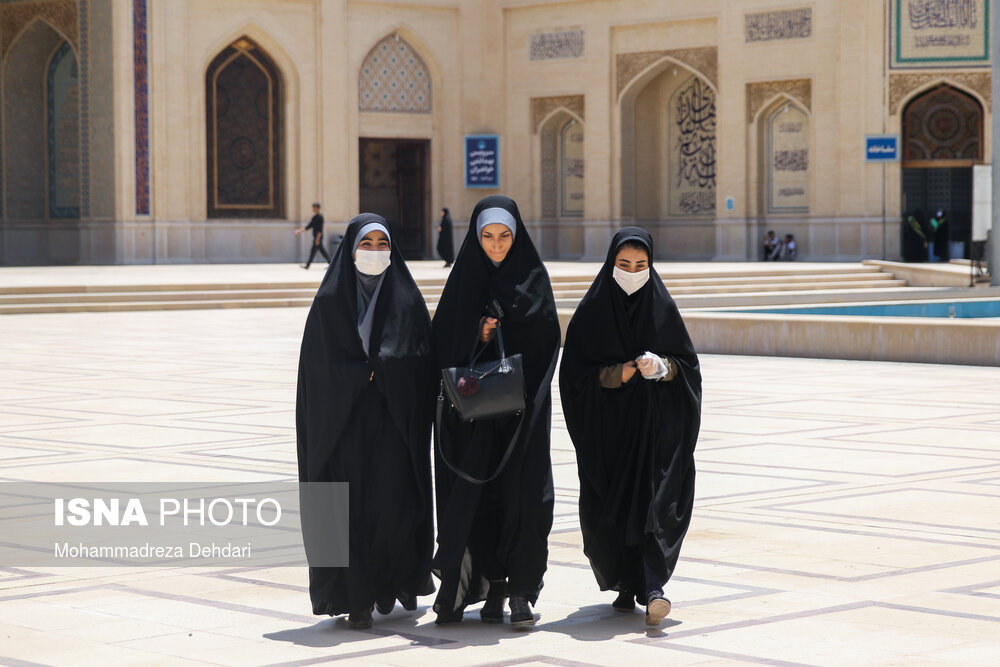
(882, 148)
(482, 161)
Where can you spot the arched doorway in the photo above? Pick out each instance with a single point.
(562, 156)
(783, 140)
(41, 108)
(942, 140)
(395, 172)
(244, 99)
(62, 119)
(669, 160)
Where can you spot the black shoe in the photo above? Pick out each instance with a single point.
(657, 609)
(625, 603)
(303, 266)
(520, 612)
(492, 611)
(446, 617)
(410, 604)
(360, 620)
(385, 606)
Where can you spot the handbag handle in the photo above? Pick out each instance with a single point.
(464, 475)
(499, 340)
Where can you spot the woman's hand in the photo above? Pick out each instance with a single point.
(646, 366)
(488, 326)
(628, 370)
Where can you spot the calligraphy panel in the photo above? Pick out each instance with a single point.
(571, 172)
(692, 150)
(783, 24)
(941, 33)
(63, 106)
(788, 160)
(554, 45)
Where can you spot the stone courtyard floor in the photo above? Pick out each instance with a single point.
(847, 512)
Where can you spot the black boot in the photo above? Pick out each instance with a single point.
(625, 602)
(385, 605)
(492, 611)
(520, 612)
(360, 620)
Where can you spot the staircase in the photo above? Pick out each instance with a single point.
(703, 286)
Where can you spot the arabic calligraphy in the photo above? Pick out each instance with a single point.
(786, 24)
(926, 14)
(693, 203)
(791, 160)
(695, 118)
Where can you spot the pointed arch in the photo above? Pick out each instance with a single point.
(562, 165)
(25, 129)
(557, 111)
(245, 130)
(700, 62)
(768, 105)
(943, 123)
(67, 33)
(62, 118)
(783, 145)
(393, 77)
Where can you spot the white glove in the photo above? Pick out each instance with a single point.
(661, 369)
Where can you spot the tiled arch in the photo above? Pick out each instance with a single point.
(393, 77)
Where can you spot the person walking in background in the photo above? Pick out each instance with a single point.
(363, 416)
(446, 245)
(316, 225)
(630, 384)
(493, 537)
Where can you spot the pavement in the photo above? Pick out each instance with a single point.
(847, 512)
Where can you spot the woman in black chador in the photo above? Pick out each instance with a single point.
(631, 393)
(363, 415)
(446, 245)
(492, 538)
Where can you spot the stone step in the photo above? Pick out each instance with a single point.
(561, 293)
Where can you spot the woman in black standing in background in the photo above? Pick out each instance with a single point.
(493, 538)
(445, 246)
(363, 415)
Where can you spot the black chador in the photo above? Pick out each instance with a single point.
(445, 244)
(496, 532)
(364, 409)
(635, 441)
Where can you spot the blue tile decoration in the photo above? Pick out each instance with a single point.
(84, 82)
(141, 81)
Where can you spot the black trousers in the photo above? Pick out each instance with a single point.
(317, 247)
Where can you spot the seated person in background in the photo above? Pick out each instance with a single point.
(786, 252)
(771, 246)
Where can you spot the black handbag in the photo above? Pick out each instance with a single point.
(483, 391)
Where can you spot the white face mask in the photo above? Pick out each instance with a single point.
(630, 282)
(371, 262)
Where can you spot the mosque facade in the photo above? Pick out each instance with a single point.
(177, 131)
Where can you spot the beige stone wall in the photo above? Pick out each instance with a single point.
(505, 67)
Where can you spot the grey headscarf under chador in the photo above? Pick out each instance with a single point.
(495, 216)
(368, 286)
